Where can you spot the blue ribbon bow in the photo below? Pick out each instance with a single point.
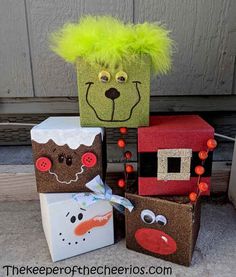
(101, 191)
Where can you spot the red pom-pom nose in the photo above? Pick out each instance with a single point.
(43, 164)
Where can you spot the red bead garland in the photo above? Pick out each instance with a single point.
(121, 143)
(127, 155)
(203, 155)
(203, 186)
(129, 168)
(200, 170)
(121, 183)
(193, 196)
(123, 130)
(211, 144)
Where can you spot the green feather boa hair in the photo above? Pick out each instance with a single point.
(107, 40)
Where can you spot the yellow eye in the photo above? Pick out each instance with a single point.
(104, 76)
(121, 77)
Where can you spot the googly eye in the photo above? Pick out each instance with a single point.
(148, 216)
(104, 76)
(161, 219)
(121, 77)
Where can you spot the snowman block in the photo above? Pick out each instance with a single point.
(166, 228)
(66, 155)
(168, 152)
(71, 230)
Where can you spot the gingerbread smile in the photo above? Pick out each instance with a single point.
(94, 222)
(155, 241)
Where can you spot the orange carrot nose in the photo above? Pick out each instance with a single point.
(96, 221)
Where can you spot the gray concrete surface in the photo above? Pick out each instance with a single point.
(22, 243)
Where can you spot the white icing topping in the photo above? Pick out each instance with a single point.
(65, 130)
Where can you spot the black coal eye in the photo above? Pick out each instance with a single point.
(73, 219)
(61, 158)
(161, 219)
(69, 161)
(148, 216)
(80, 216)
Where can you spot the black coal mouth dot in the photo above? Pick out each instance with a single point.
(76, 242)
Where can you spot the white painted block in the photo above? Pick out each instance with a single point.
(71, 230)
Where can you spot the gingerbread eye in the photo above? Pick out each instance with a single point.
(61, 158)
(148, 216)
(104, 76)
(69, 161)
(121, 77)
(161, 219)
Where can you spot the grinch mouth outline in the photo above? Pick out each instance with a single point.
(72, 180)
(113, 104)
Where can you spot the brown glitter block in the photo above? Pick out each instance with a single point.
(165, 228)
(66, 155)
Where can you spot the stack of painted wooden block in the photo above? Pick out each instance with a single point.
(174, 152)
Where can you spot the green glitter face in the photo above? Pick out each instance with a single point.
(114, 97)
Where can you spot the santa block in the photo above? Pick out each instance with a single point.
(164, 228)
(170, 152)
(66, 155)
(72, 230)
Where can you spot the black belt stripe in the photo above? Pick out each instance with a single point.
(147, 165)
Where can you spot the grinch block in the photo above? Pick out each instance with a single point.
(72, 230)
(114, 65)
(66, 155)
(164, 228)
(170, 153)
(114, 103)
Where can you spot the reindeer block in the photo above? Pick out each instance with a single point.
(114, 65)
(164, 228)
(170, 153)
(66, 155)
